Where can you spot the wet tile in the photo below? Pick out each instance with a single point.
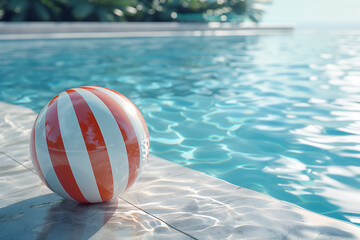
(184, 191)
(131, 223)
(166, 194)
(208, 208)
(24, 194)
(14, 177)
(49, 216)
(19, 154)
(157, 170)
(15, 124)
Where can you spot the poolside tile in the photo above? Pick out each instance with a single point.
(22, 190)
(205, 207)
(186, 193)
(20, 154)
(41, 215)
(15, 125)
(155, 171)
(131, 223)
(24, 194)
(14, 177)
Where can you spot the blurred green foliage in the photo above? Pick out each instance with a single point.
(132, 10)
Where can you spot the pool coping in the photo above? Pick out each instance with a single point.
(167, 201)
(66, 30)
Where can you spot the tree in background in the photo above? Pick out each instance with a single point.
(132, 10)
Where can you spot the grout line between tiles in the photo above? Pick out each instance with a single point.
(18, 162)
(171, 226)
(25, 189)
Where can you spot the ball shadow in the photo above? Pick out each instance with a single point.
(51, 217)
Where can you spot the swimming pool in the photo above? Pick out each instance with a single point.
(276, 114)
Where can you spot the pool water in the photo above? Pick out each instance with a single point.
(277, 114)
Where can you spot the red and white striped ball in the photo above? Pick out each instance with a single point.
(89, 144)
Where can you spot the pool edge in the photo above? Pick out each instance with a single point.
(66, 30)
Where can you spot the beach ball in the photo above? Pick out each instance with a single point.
(89, 144)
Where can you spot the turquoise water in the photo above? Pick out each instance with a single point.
(277, 114)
